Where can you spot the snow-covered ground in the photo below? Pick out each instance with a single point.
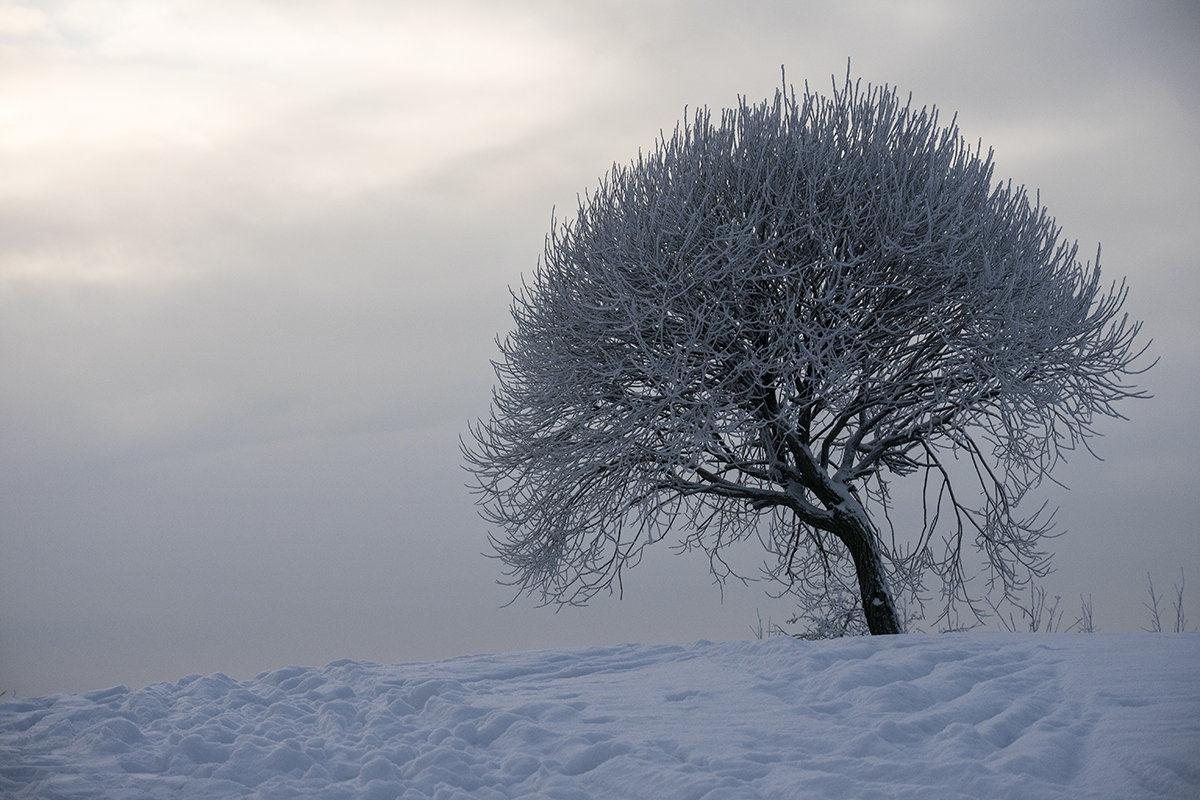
(955, 716)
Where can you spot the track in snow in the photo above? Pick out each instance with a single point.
(957, 716)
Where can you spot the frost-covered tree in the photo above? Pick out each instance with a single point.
(755, 329)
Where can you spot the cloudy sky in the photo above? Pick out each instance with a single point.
(254, 254)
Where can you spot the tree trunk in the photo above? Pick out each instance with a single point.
(855, 531)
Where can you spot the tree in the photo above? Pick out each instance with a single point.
(755, 329)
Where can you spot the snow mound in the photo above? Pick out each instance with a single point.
(958, 716)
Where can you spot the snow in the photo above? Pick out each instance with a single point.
(955, 716)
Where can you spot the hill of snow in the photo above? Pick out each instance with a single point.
(955, 716)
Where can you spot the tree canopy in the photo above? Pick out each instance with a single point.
(753, 330)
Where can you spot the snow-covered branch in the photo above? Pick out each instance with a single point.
(774, 312)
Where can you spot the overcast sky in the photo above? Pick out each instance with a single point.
(254, 254)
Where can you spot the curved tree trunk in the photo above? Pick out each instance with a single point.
(854, 530)
(848, 521)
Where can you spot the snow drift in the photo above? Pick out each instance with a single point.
(955, 716)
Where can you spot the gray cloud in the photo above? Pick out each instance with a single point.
(253, 257)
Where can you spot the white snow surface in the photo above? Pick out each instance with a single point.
(952, 716)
